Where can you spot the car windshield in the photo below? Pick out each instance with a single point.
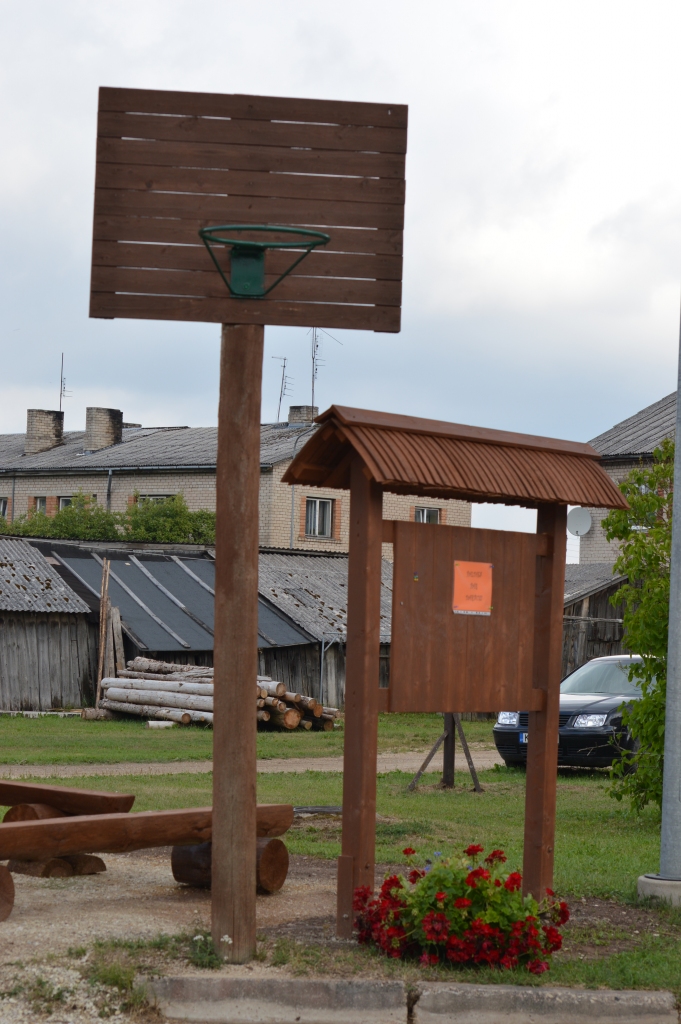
(601, 677)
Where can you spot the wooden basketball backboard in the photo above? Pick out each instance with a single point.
(169, 163)
(445, 656)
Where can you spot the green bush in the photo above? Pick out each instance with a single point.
(168, 521)
(645, 534)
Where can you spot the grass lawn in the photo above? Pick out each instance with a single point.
(50, 740)
(600, 849)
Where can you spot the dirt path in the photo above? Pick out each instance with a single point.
(407, 762)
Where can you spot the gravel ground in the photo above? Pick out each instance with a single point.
(409, 762)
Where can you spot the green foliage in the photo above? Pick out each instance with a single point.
(645, 534)
(167, 521)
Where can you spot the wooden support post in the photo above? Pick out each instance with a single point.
(356, 863)
(542, 748)
(236, 642)
(448, 753)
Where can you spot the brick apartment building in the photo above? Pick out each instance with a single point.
(626, 446)
(112, 460)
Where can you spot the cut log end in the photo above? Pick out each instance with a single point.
(6, 892)
(191, 865)
(32, 812)
(271, 864)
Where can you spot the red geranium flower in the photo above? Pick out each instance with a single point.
(435, 927)
(478, 874)
(462, 903)
(550, 892)
(553, 937)
(514, 881)
(473, 850)
(440, 896)
(563, 912)
(496, 856)
(415, 874)
(429, 959)
(537, 966)
(408, 851)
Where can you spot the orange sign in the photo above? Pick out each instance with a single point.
(472, 588)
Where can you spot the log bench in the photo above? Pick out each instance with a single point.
(65, 837)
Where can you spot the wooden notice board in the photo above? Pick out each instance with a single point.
(441, 660)
(169, 163)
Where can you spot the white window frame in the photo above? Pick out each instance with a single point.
(64, 501)
(422, 513)
(41, 503)
(4, 502)
(312, 517)
(155, 497)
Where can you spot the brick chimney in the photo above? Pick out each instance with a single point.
(44, 430)
(302, 413)
(103, 427)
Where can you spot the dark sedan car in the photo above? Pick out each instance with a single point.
(590, 725)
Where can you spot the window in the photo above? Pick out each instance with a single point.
(3, 506)
(41, 505)
(64, 503)
(318, 517)
(426, 515)
(155, 497)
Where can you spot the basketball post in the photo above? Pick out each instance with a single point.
(236, 642)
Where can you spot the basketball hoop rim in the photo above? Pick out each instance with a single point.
(315, 237)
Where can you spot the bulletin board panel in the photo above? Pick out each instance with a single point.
(479, 655)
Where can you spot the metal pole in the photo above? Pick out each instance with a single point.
(236, 643)
(670, 845)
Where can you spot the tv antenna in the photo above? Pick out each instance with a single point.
(63, 393)
(316, 351)
(286, 382)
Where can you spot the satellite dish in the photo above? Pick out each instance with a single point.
(579, 521)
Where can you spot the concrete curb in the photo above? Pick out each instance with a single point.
(280, 1000)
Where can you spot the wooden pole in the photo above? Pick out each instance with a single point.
(236, 642)
(356, 863)
(542, 747)
(448, 753)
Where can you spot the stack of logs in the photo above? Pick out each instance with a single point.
(184, 694)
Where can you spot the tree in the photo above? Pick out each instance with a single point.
(645, 534)
(167, 521)
(83, 519)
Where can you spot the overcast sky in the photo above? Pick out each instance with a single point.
(543, 219)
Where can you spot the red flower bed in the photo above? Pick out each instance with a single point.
(460, 912)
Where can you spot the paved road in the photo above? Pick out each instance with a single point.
(407, 762)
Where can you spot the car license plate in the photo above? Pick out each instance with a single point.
(523, 737)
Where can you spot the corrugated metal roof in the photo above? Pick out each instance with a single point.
(639, 435)
(312, 590)
(584, 580)
(165, 447)
(28, 583)
(407, 455)
(143, 589)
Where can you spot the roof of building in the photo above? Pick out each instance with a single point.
(639, 435)
(582, 581)
(28, 583)
(408, 455)
(312, 590)
(166, 602)
(146, 448)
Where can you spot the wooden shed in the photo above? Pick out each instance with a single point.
(48, 646)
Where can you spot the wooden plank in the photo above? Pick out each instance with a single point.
(194, 257)
(319, 213)
(150, 229)
(236, 641)
(442, 661)
(122, 833)
(264, 311)
(251, 158)
(191, 129)
(199, 181)
(542, 747)
(205, 104)
(209, 284)
(361, 693)
(71, 801)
